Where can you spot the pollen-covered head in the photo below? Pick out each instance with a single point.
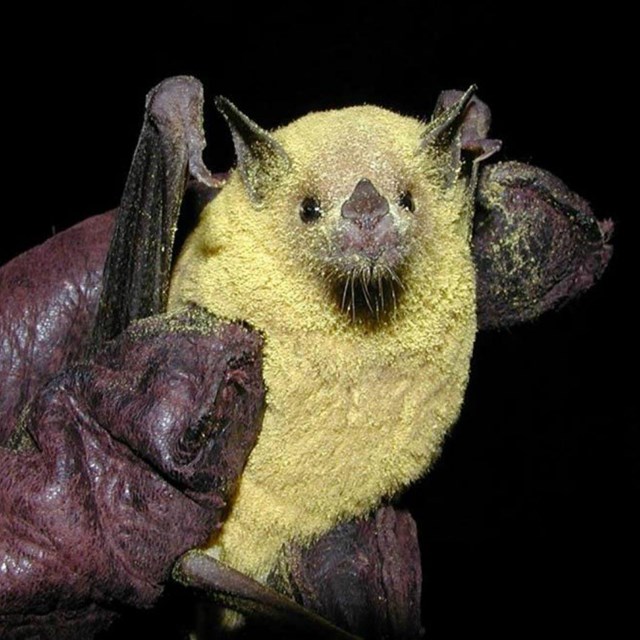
(355, 172)
(354, 193)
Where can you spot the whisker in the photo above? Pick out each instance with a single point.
(369, 292)
(353, 299)
(394, 277)
(344, 294)
(381, 289)
(393, 295)
(365, 290)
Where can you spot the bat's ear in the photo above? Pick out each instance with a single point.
(261, 159)
(458, 130)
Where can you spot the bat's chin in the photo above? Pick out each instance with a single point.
(369, 288)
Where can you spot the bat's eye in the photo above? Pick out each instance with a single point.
(310, 209)
(405, 200)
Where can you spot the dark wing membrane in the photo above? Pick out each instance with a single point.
(536, 244)
(227, 587)
(169, 150)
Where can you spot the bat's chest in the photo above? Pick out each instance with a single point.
(347, 422)
(328, 395)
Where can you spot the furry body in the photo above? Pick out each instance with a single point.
(356, 407)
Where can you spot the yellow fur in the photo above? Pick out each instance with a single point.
(355, 411)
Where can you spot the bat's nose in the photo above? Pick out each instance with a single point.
(365, 206)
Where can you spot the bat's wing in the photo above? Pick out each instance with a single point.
(169, 152)
(50, 293)
(130, 461)
(49, 297)
(363, 575)
(263, 605)
(536, 244)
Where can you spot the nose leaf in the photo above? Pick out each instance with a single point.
(365, 206)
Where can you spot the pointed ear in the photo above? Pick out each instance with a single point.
(261, 159)
(444, 132)
(474, 128)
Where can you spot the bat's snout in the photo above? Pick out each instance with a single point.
(365, 206)
(369, 231)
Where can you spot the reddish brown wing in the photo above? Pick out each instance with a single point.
(123, 464)
(536, 244)
(109, 445)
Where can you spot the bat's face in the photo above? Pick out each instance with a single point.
(355, 201)
(353, 218)
(348, 207)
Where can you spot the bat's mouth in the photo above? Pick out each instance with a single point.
(369, 292)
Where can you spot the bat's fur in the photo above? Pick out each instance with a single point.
(358, 403)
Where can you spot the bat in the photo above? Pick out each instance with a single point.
(367, 248)
(344, 238)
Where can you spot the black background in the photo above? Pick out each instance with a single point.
(527, 522)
